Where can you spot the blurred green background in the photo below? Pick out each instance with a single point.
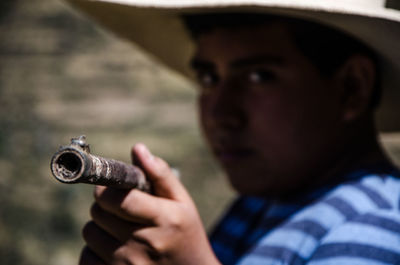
(60, 77)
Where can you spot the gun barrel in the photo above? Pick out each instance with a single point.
(74, 165)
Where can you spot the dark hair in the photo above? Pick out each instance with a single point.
(326, 47)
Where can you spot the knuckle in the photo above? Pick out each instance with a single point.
(88, 257)
(182, 218)
(95, 211)
(124, 256)
(129, 201)
(97, 192)
(88, 231)
(158, 247)
(120, 254)
(100, 200)
(175, 221)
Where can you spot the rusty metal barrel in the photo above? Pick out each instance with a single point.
(74, 164)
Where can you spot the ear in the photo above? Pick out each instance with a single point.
(356, 79)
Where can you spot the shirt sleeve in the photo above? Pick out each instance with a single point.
(368, 239)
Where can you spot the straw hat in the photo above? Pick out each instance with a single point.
(155, 25)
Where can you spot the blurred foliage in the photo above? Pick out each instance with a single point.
(60, 77)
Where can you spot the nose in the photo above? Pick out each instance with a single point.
(229, 119)
(225, 109)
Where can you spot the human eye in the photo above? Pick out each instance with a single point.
(259, 76)
(207, 80)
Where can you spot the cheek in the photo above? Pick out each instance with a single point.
(288, 127)
(281, 122)
(271, 112)
(204, 113)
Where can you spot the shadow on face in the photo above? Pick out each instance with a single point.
(271, 117)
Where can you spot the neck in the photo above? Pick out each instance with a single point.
(361, 149)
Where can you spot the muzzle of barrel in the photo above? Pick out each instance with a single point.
(70, 164)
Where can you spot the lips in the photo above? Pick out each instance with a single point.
(230, 147)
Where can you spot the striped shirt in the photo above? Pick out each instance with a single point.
(356, 222)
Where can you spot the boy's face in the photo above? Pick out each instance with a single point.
(273, 122)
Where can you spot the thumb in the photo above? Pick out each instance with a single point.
(164, 182)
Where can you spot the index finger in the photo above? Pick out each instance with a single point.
(130, 205)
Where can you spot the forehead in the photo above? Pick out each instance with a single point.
(273, 39)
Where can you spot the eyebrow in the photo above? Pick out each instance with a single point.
(199, 64)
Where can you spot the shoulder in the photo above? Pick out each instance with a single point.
(373, 193)
(369, 238)
(369, 232)
(354, 223)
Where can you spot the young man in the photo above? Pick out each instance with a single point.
(287, 107)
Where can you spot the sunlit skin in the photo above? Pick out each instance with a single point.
(132, 227)
(275, 124)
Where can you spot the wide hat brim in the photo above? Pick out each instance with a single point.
(156, 26)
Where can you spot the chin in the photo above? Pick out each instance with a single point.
(247, 187)
(250, 188)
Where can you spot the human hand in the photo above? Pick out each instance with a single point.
(133, 227)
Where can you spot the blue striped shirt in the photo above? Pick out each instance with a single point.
(355, 222)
